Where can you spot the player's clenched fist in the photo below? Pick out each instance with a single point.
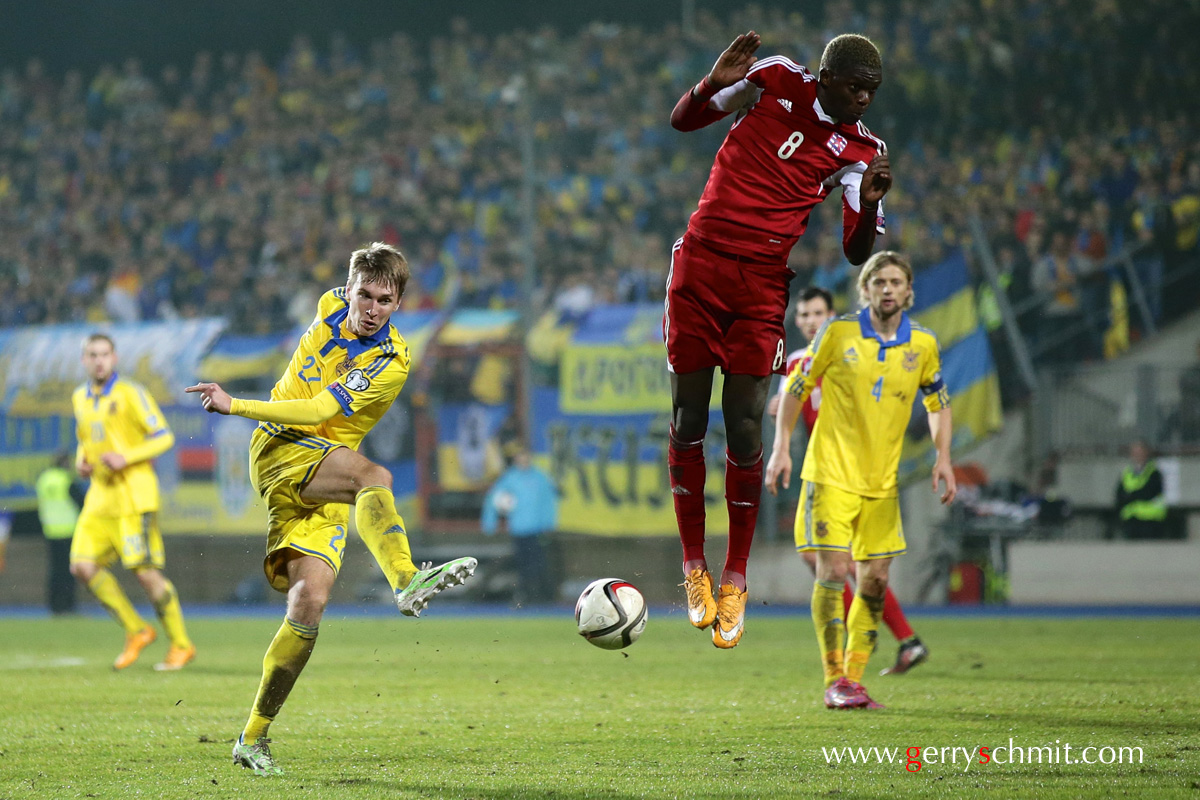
(212, 397)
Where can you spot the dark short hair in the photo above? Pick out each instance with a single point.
(850, 50)
(813, 292)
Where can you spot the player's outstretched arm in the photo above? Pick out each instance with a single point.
(313, 411)
(780, 463)
(876, 182)
(941, 429)
(693, 110)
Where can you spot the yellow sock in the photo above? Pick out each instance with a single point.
(285, 658)
(863, 625)
(171, 615)
(382, 529)
(106, 589)
(831, 630)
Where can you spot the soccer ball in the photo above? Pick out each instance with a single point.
(611, 613)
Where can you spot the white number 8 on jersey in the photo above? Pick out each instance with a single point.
(779, 356)
(790, 144)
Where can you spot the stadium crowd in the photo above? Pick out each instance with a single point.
(238, 187)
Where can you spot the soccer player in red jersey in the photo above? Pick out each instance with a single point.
(814, 310)
(795, 137)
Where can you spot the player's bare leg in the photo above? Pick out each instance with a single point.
(690, 394)
(345, 476)
(310, 580)
(743, 400)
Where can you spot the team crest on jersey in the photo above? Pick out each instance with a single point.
(850, 356)
(822, 529)
(345, 366)
(356, 381)
(910, 360)
(112, 407)
(837, 143)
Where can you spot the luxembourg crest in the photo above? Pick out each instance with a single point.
(836, 143)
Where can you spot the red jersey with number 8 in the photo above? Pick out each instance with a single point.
(781, 157)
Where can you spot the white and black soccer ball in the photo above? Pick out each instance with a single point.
(611, 613)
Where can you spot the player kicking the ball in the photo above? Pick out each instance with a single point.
(870, 366)
(796, 137)
(345, 373)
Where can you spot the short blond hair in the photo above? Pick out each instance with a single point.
(884, 258)
(380, 263)
(99, 337)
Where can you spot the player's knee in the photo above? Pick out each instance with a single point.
(374, 475)
(873, 584)
(83, 571)
(690, 423)
(744, 437)
(308, 603)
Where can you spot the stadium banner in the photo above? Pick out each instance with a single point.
(610, 469)
(945, 303)
(40, 365)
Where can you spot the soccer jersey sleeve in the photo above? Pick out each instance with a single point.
(851, 181)
(812, 365)
(157, 437)
(381, 380)
(933, 386)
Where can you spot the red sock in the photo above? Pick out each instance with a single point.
(743, 488)
(847, 597)
(893, 617)
(685, 462)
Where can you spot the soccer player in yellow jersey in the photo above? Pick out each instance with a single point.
(873, 363)
(120, 430)
(345, 373)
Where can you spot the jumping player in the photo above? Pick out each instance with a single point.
(870, 366)
(796, 137)
(345, 373)
(814, 310)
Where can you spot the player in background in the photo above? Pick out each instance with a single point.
(346, 371)
(120, 431)
(870, 366)
(796, 136)
(814, 308)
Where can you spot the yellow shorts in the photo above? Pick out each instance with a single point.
(282, 462)
(134, 538)
(832, 519)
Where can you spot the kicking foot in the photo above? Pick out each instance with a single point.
(135, 643)
(731, 616)
(701, 606)
(912, 652)
(431, 580)
(256, 757)
(177, 658)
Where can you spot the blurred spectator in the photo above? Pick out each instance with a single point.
(59, 496)
(1139, 498)
(1058, 276)
(523, 501)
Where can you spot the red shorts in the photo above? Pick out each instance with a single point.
(724, 311)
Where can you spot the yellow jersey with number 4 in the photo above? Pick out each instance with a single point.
(123, 418)
(363, 373)
(866, 400)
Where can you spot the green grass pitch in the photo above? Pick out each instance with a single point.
(512, 707)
